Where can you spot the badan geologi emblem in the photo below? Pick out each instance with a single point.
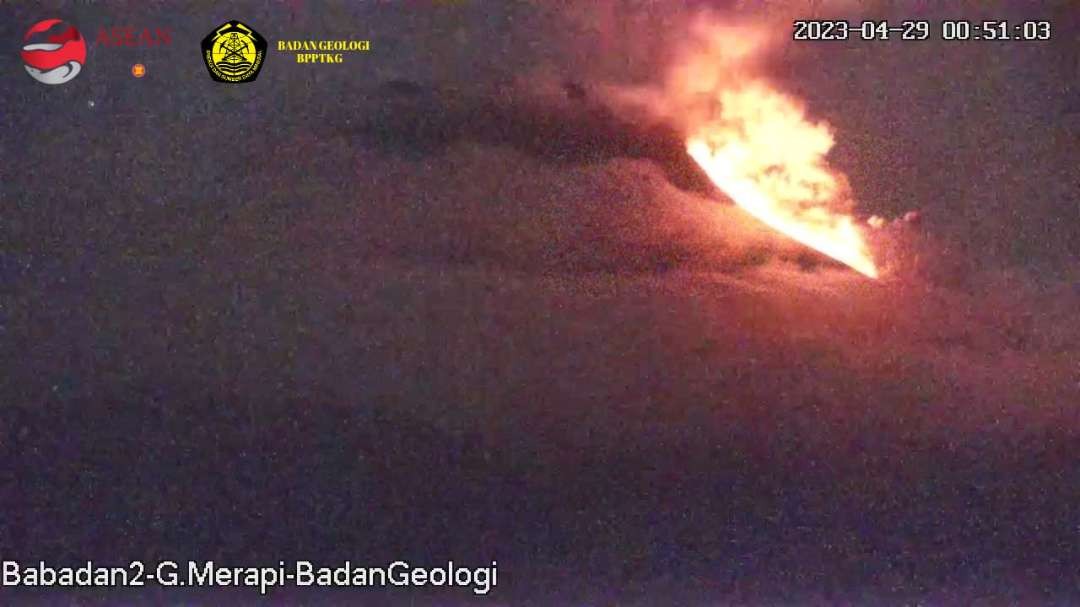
(53, 51)
(234, 52)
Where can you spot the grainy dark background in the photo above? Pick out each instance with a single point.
(426, 304)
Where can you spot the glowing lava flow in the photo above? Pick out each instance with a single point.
(769, 159)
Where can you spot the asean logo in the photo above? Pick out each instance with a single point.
(53, 52)
(234, 53)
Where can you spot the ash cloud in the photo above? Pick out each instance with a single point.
(538, 175)
(595, 189)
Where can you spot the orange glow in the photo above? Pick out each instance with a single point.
(768, 158)
(755, 143)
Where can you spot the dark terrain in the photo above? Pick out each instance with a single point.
(265, 324)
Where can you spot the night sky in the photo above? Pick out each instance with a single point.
(445, 301)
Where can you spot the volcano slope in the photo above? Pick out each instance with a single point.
(616, 388)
